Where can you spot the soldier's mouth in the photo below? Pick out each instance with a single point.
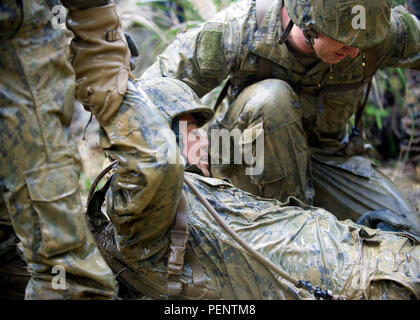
(339, 55)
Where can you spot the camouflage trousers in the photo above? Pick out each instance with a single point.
(40, 202)
(339, 184)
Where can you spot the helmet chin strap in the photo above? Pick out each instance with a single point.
(309, 34)
(286, 32)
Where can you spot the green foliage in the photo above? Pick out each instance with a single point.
(180, 16)
(397, 2)
(84, 183)
(381, 118)
(377, 113)
(220, 4)
(168, 17)
(156, 23)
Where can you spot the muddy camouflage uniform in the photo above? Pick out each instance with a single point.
(304, 133)
(40, 164)
(307, 242)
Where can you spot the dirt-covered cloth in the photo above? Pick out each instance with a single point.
(305, 131)
(40, 202)
(308, 243)
(229, 46)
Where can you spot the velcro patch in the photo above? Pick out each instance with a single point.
(210, 47)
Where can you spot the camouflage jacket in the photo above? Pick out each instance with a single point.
(229, 46)
(306, 242)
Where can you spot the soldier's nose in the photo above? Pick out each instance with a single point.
(351, 51)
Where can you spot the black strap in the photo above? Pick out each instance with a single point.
(178, 236)
(369, 60)
(310, 36)
(356, 143)
(362, 107)
(97, 198)
(222, 95)
(286, 32)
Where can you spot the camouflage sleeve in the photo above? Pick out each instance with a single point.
(148, 181)
(201, 57)
(402, 49)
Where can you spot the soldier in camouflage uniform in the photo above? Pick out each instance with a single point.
(40, 203)
(140, 244)
(316, 81)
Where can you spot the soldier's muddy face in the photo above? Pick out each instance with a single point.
(327, 49)
(332, 51)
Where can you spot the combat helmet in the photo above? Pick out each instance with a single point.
(338, 18)
(175, 98)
